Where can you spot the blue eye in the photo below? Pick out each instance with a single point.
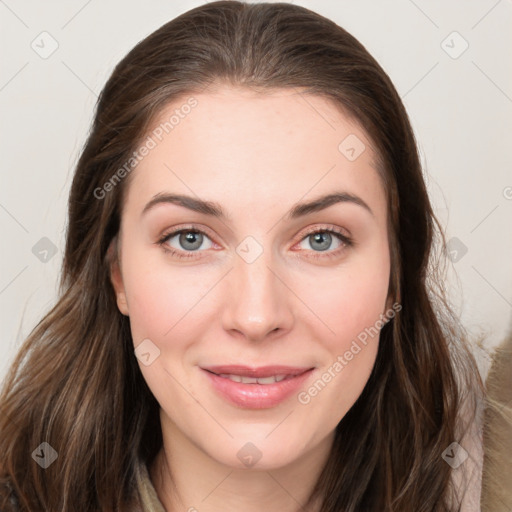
(324, 239)
(321, 241)
(190, 240)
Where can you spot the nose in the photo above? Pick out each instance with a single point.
(259, 303)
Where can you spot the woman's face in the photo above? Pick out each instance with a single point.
(247, 291)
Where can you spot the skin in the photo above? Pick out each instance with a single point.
(257, 155)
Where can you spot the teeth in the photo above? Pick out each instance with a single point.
(234, 378)
(253, 380)
(267, 380)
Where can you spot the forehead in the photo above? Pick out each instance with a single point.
(248, 147)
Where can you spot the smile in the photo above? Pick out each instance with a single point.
(252, 380)
(256, 388)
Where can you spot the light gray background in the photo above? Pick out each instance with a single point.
(460, 106)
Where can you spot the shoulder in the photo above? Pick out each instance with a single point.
(147, 492)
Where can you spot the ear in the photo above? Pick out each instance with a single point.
(116, 277)
(389, 303)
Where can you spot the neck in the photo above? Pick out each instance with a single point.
(187, 479)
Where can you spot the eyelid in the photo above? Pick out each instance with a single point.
(325, 227)
(187, 227)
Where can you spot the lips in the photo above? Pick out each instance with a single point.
(255, 380)
(261, 372)
(256, 388)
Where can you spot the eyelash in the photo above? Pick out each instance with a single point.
(346, 241)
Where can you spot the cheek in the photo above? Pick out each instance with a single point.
(351, 304)
(347, 302)
(353, 317)
(158, 300)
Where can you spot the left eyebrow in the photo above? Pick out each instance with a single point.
(325, 201)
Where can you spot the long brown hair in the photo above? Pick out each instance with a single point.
(75, 382)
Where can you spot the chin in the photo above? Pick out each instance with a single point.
(259, 453)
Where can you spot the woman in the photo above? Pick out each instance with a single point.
(253, 369)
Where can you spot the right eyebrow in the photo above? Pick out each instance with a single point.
(192, 203)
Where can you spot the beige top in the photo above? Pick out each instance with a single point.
(150, 500)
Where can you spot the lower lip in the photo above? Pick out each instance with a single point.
(257, 396)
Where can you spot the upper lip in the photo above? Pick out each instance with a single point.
(257, 372)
